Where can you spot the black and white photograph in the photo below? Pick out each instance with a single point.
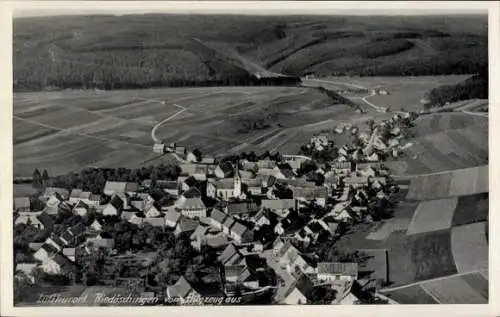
(234, 157)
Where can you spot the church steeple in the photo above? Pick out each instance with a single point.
(237, 181)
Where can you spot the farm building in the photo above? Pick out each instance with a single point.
(120, 187)
(331, 271)
(159, 148)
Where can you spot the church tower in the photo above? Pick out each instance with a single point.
(237, 182)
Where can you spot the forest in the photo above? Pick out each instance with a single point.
(141, 51)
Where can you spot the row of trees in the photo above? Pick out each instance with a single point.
(94, 179)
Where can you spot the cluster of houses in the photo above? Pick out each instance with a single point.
(382, 140)
(225, 204)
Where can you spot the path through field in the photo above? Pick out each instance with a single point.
(429, 280)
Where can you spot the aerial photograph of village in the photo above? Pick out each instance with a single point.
(203, 159)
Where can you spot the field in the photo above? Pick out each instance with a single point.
(66, 131)
(469, 288)
(427, 239)
(463, 182)
(470, 248)
(433, 215)
(444, 141)
(471, 209)
(404, 92)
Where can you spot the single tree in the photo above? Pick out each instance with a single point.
(37, 179)
(45, 178)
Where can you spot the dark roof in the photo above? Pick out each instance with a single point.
(63, 261)
(49, 248)
(191, 181)
(46, 220)
(338, 268)
(226, 167)
(303, 284)
(187, 224)
(315, 226)
(269, 179)
(77, 229)
(241, 208)
(105, 235)
(56, 239)
(193, 192)
(81, 204)
(228, 253)
(117, 202)
(67, 236)
(286, 170)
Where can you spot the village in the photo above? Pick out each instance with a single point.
(254, 224)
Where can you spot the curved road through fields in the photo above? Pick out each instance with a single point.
(153, 130)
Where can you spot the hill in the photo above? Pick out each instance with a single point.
(151, 50)
(475, 87)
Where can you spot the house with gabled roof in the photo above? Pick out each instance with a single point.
(27, 269)
(335, 271)
(241, 210)
(184, 293)
(45, 252)
(112, 188)
(53, 203)
(185, 226)
(152, 212)
(22, 204)
(78, 194)
(224, 170)
(217, 218)
(55, 241)
(172, 218)
(154, 222)
(356, 181)
(262, 218)
(284, 171)
(267, 181)
(228, 223)
(266, 164)
(58, 264)
(240, 233)
(97, 225)
(114, 207)
(50, 191)
(317, 194)
(230, 256)
(69, 253)
(252, 186)
(191, 207)
(341, 212)
(81, 208)
(281, 207)
(103, 240)
(39, 220)
(186, 182)
(300, 291)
